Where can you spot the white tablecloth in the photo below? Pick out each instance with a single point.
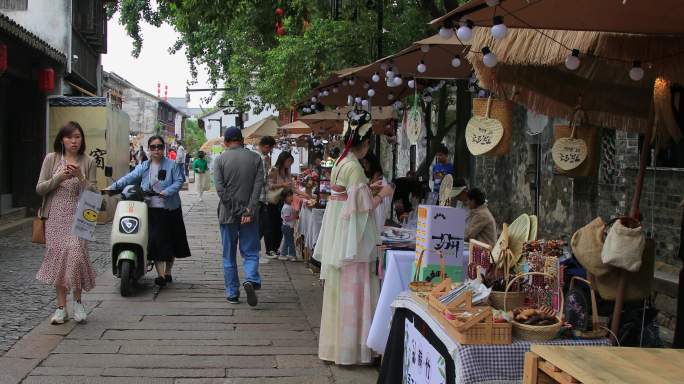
(397, 279)
(310, 222)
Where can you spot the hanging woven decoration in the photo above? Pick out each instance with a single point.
(489, 132)
(414, 122)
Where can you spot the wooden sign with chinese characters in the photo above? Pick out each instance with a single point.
(569, 153)
(440, 232)
(422, 363)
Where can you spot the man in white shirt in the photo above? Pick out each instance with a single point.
(180, 156)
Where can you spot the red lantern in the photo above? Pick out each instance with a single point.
(280, 12)
(3, 58)
(280, 31)
(46, 80)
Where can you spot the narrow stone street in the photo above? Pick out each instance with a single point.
(189, 333)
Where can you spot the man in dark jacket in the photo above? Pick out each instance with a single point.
(239, 179)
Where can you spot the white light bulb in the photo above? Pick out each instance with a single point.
(306, 110)
(425, 48)
(421, 67)
(411, 83)
(366, 85)
(390, 96)
(335, 90)
(499, 29)
(358, 99)
(489, 58)
(465, 33)
(572, 62)
(456, 62)
(636, 73)
(492, 3)
(364, 102)
(371, 92)
(326, 93)
(445, 32)
(313, 99)
(320, 94)
(389, 74)
(398, 81)
(352, 81)
(376, 77)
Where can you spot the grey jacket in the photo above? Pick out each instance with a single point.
(239, 179)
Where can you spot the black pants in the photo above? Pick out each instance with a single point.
(273, 233)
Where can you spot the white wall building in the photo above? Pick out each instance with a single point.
(216, 122)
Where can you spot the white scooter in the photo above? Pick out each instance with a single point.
(129, 237)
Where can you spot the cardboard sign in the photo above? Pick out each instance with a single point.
(85, 218)
(440, 230)
(422, 363)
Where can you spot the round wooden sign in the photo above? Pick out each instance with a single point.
(483, 134)
(569, 153)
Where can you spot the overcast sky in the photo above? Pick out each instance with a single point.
(154, 65)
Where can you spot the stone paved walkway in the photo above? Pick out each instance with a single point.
(189, 334)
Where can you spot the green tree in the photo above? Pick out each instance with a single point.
(236, 39)
(194, 137)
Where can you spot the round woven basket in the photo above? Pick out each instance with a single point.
(534, 332)
(515, 299)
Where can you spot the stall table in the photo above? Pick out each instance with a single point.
(556, 364)
(465, 364)
(308, 227)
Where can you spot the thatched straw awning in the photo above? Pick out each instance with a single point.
(662, 17)
(531, 71)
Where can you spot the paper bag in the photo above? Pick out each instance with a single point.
(85, 218)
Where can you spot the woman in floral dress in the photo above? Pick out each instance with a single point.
(346, 248)
(66, 173)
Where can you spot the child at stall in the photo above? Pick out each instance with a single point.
(289, 216)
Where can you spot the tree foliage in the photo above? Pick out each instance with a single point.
(236, 39)
(194, 137)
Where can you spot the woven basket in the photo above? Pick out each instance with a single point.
(535, 332)
(424, 287)
(596, 331)
(499, 109)
(515, 299)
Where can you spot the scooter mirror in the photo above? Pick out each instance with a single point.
(109, 171)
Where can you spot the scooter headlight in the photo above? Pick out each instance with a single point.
(129, 225)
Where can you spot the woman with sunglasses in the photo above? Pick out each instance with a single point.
(167, 238)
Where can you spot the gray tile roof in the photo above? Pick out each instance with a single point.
(72, 101)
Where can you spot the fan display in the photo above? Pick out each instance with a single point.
(445, 190)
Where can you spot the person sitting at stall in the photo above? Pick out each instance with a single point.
(480, 224)
(408, 194)
(459, 193)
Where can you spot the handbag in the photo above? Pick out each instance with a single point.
(38, 230)
(274, 196)
(587, 244)
(624, 245)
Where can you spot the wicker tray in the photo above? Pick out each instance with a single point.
(478, 328)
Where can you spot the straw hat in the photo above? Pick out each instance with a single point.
(483, 134)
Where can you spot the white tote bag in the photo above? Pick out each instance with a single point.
(624, 247)
(85, 218)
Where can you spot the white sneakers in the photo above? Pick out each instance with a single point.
(80, 312)
(61, 316)
(271, 255)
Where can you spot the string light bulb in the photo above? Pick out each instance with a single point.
(456, 61)
(425, 48)
(375, 77)
(371, 92)
(411, 84)
(326, 93)
(636, 73)
(422, 68)
(465, 32)
(499, 29)
(313, 99)
(572, 62)
(364, 102)
(488, 57)
(352, 81)
(358, 99)
(445, 32)
(398, 81)
(390, 73)
(335, 90)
